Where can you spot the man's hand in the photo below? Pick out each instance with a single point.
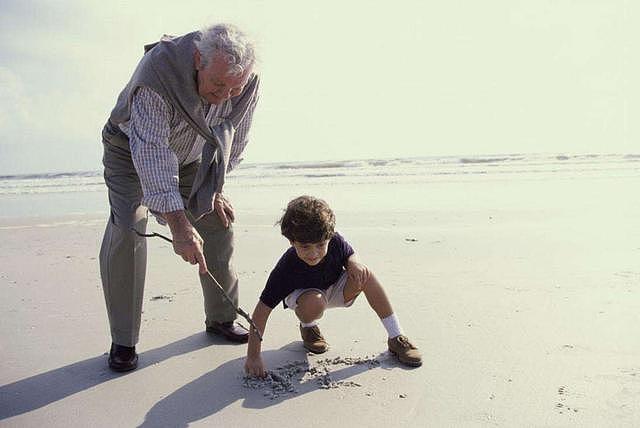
(189, 248)
(358, 272)
(224, 209)
(253, 366)
(187, 242)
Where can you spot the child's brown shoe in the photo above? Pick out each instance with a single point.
(312, 339)
(405, 351)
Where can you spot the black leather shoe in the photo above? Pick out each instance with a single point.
(232, 331)
(122, 358)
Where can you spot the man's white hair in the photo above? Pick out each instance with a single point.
(228, 40)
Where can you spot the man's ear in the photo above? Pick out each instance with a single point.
(291, 242)
(197, 60)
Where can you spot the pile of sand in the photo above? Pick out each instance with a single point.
(283, 380)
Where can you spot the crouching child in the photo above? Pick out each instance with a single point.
(320, 271)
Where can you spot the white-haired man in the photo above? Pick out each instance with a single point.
(178, 127)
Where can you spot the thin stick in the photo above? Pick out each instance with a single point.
(239, 311)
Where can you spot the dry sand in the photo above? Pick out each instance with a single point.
(524, 297)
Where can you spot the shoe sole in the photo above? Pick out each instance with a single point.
(315, 351)
(122, 369)
(408, 363)
(230, 338)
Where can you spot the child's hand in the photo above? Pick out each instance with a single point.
(358, 272)
(254, 366)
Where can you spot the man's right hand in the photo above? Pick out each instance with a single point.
(187, 242)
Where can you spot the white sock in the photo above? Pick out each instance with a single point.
(309, 324)
(392, 325)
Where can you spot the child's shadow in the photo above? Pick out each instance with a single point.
(222, 386)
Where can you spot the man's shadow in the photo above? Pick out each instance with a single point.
(198, 399)
(37, 391)
(223, 386)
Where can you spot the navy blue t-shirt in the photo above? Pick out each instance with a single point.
(292, 273)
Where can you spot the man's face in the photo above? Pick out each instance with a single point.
(215, 84)
(311, 253)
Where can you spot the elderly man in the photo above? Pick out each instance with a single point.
(178, 127)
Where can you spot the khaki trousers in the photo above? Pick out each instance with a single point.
(123, 254)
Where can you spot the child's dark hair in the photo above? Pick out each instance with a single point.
(308, 220)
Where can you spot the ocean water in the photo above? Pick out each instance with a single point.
(84, 192)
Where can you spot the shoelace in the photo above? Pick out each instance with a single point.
(404, 342)
(314, 333)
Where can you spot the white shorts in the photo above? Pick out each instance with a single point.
(334, 295)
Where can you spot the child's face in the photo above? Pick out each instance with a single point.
(311, 253)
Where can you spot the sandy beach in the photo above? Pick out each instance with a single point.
(523, 295)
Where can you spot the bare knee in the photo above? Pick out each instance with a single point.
(353, 288)
(311, 306)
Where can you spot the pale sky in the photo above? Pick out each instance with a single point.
(340, 79)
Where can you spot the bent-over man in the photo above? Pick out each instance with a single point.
(179, 125)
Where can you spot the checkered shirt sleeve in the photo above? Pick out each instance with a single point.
(155, 162)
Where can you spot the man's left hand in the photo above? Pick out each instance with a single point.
(222, 206)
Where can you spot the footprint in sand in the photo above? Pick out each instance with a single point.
(560, 406)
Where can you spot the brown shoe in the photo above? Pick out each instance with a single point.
(232, 331)
(312, 339)
(405, 351)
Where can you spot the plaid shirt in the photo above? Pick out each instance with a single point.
(161, 141)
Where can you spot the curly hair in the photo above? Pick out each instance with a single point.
(308, 220)
(227, 39)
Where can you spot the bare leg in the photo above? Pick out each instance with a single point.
(374, 293)
(311, 306)
(398, 344)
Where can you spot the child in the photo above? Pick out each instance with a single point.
(320, 271)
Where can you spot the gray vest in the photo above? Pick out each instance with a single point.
(168, 68)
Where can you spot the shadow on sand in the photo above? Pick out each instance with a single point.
(37, 391)
(196, 400)
(222, 386)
